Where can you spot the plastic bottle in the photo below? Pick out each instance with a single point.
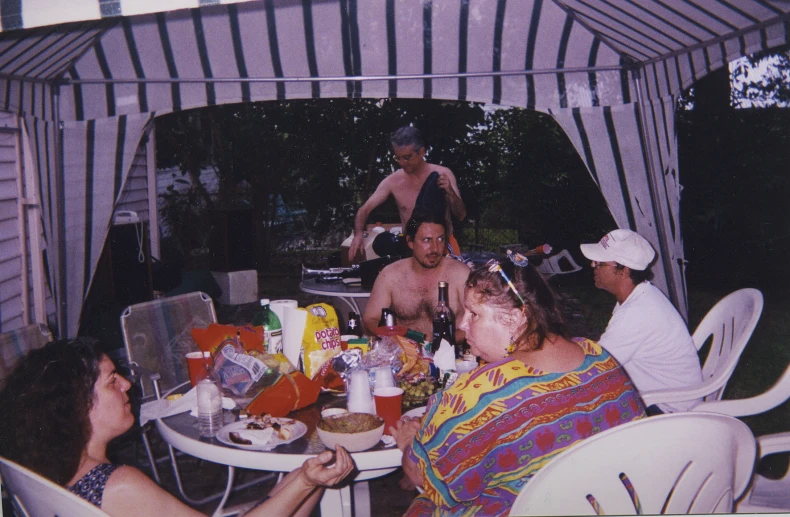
(272, 329)
(443, 321)
(209, 399)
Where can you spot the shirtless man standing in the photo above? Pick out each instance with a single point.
(405, 184)
(410, 287)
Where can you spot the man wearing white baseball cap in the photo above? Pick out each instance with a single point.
(645, 334)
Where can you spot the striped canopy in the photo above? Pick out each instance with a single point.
(607, 70)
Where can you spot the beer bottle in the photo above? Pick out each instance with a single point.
(384, 313)
(443, 322)
(354, 325)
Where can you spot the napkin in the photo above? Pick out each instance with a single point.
(163, 408)
(444, 358)
(257, 436)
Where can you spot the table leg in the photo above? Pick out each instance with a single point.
(228, 489)
(352, 304)
(336, 502)
(361, 499)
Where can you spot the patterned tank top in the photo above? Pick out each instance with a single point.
(91, 486)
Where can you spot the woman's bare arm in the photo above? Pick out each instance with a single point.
(130, 493)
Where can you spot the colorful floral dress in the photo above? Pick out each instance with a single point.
(484, 437)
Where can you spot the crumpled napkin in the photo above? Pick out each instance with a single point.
(163, 408)
(387, 440)
(444, 358)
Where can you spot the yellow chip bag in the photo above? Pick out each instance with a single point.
(321, 338)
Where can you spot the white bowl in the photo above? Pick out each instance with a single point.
(352, 442)
(332, 411)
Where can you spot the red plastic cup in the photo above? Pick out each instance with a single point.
(388, 405)
(194, 365)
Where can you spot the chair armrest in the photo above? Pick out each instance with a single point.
(676, 395)
(774, 396)
(154, 377)
(773, 443)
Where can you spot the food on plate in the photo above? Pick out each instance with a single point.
(350, 423)
(236, 438)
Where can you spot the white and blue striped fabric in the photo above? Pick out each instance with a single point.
(609, 71)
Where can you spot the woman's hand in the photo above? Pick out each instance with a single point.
(404, 431)
(317, 472)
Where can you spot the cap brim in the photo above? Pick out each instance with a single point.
(596, 252)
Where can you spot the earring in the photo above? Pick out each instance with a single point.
(511, 347)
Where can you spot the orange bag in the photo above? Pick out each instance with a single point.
(291, 392)
(208, 339)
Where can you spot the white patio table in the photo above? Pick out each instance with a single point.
(181, 431)
(346, 293)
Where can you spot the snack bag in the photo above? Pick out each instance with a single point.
(321, 338)
(291, 392)
(210, 338)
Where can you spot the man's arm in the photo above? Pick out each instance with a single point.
(380, 297)
(380, 195)
(448, 183)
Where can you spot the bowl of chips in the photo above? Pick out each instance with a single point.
(355, 432)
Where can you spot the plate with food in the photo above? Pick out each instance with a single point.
(261, 433)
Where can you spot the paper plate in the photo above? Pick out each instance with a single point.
(298, 430)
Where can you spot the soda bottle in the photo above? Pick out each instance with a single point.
(443, 321)
(354, 326)
(209, 398)
(272, 329)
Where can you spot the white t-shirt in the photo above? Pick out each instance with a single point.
(650, 339)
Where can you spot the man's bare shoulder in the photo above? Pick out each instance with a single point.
(455, 268)
(395, 270)
(439, 168)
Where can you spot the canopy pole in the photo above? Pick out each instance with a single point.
(407, 77)
(59, 232)
(658, 208)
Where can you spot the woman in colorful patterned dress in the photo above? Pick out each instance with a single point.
(63, 404)
(537, 392)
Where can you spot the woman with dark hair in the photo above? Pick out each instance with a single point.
(63, 404)
(537, 392)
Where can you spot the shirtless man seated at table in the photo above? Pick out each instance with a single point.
(410, 287)
(404, 185)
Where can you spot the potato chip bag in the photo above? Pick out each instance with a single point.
(321, 338)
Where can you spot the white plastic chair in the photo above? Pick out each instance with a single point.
(560, 263)
(667, 464)
(36, 496)
(764, 495)
(730, 324)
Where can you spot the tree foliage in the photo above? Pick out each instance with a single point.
(516, 169)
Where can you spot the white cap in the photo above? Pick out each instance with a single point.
(622, 246)
(264, 301)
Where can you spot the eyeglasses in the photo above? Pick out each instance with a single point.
(595, 264)
(495, 267)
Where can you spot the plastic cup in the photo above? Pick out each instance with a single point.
(383, 378)
(358, 399)
(388, 405)
(194, 365)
